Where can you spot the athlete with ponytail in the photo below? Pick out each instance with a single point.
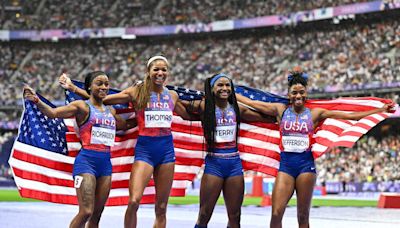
(154, 152)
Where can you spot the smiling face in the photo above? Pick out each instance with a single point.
(297, 95)
(158, 72)
(222, 88)
(100, 86)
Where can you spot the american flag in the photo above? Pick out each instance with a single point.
(44, 152)
(42, 169)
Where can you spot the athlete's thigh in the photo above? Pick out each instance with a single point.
(163, 178)
(140, 176)
(233, 191)
(283, 190)
(103, 187)
(85, 185)
(210, 189)
(304, 190)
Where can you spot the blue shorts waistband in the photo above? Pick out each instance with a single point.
(94, 153)
(224, 150)
(224, 155)
(155, 137)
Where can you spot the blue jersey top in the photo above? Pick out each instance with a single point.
(225, 132)
(296, 131)
(98, 131)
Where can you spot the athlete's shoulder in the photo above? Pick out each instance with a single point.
(173, 93)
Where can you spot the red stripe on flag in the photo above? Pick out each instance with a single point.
(27, 175)
(259, 168)
(51, 197)
(20, 155)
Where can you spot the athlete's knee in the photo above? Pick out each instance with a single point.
(134, 203)
(86, 213)
(234, 217)
(161, 209)
(277, 213)
(303, 216)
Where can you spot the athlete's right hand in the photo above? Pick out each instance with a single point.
(65, 82)
(30, 94)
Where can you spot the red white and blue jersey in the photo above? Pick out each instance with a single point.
(98, 131)
(156, 118)
(296, 131)
(225, 131)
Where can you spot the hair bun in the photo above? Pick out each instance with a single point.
(297, 74)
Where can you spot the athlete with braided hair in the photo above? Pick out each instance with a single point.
(221, 115)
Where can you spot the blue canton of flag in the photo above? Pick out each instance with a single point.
(187, 94)
(40, 131)
(259, 95)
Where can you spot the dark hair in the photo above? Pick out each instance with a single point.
(90, 77)
(208, 121)
(297, 78)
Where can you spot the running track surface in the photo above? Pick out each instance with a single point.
(41, 214)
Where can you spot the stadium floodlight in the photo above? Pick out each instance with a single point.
(128, 36)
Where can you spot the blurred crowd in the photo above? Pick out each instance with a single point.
(337, 58)
(68, 14)
(369, 160)
(6, 141)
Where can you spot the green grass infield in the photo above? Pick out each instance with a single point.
(12, 195)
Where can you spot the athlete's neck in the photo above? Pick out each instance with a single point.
(298, 109)
(96, 102)
(221, 103)
(157, 88)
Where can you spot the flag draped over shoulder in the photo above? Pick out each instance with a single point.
(44, 152)
(45, 149)
(331, 132)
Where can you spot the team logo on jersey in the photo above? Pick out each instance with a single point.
(304, 117)
(166, 97)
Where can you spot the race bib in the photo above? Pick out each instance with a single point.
(78, 181)
(294, 143)
(225, 134)
(157, 119)
(101, 135)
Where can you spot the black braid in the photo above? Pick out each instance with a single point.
(209, 121)
(232, 100)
